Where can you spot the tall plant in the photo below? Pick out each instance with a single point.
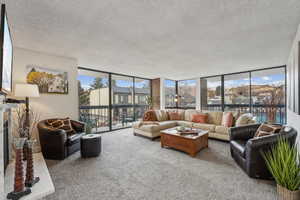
(282, 161)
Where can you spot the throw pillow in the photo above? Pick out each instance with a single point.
(149, 116)
(200, 118)
(174, 116)
(64, 124)
(244, 119)
(227, 119)
(267, 129)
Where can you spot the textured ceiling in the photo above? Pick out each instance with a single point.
(176, 39)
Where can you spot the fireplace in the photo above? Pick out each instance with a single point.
(6, 142)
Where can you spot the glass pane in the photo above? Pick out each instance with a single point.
(237, 92)
(170, 93)
(211, 95)
(187, 93)
(268, 95)
(122, 101)
(93, 100)
(142, 97)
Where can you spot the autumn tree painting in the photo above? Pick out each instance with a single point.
(48, 81)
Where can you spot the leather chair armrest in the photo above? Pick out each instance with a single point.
(78, 126)
(243, 132)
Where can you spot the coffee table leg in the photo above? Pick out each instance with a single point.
(193, 154)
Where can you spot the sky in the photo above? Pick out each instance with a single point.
(86, 81)
(274, 79)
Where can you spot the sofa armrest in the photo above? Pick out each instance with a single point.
(243, 132)
(78, 126)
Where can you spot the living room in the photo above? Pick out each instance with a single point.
(149, 99)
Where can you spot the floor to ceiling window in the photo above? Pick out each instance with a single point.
(94, 99)
(211, 93)
(237, 92)
(187, 93)
(142, 90)
(170, 93)
(261, 92)
(109, 101)
(268, 95)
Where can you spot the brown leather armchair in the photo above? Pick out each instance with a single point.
(55, 144)
(247, 151)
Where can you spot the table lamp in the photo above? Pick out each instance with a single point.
(26, 90)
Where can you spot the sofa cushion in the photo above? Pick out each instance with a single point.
(185, 123)
(188, 114)
(239, 146)
(174, 116)
(227, 119)
(244, 119)
(208, 127)
(149, 115)
(156, 128)
(161, 115)
(199, 118)
(215, 117)
(222, 130)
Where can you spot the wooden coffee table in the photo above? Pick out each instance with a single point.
(190, 144)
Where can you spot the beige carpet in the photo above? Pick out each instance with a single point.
(135, 168)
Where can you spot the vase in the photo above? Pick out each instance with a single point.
(19, 186)
(30, 179)
(285, 194)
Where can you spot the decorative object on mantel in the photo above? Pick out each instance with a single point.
(48, 80)
(30, 179)
(25, 115)
(19, 187)
(282, 161)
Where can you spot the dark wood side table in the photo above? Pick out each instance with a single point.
(190, 144)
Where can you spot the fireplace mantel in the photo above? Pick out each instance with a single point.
(4, 108)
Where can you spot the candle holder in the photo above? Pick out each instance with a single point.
(30, 179)
(19, 187)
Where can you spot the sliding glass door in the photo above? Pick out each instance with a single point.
(94, 99)
(109, 101)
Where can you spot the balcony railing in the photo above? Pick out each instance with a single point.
(97, 117)
(263, 113)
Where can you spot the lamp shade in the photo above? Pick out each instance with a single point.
(26, 90)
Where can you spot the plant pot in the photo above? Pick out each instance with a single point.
(285, 194)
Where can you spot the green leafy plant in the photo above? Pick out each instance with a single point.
(282, 162)
(149, 101)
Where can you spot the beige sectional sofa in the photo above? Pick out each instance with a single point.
(216, 130)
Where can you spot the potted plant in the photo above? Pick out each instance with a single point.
(283, 163)
(149, 101)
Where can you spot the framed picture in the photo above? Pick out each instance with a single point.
(48, 80)
(293, 75)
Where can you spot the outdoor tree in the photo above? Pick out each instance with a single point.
(84, 97)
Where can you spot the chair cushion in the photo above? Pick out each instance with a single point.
(73, 139)
(222, 130)
(208, 127)
(239, 146)
(200, 118)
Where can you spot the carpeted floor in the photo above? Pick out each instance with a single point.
(135, 168)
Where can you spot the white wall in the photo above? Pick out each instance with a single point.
(292, 118)
(49, 105)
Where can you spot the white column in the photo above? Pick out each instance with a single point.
(162, 93)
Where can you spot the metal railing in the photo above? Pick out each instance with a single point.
(98, 119)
